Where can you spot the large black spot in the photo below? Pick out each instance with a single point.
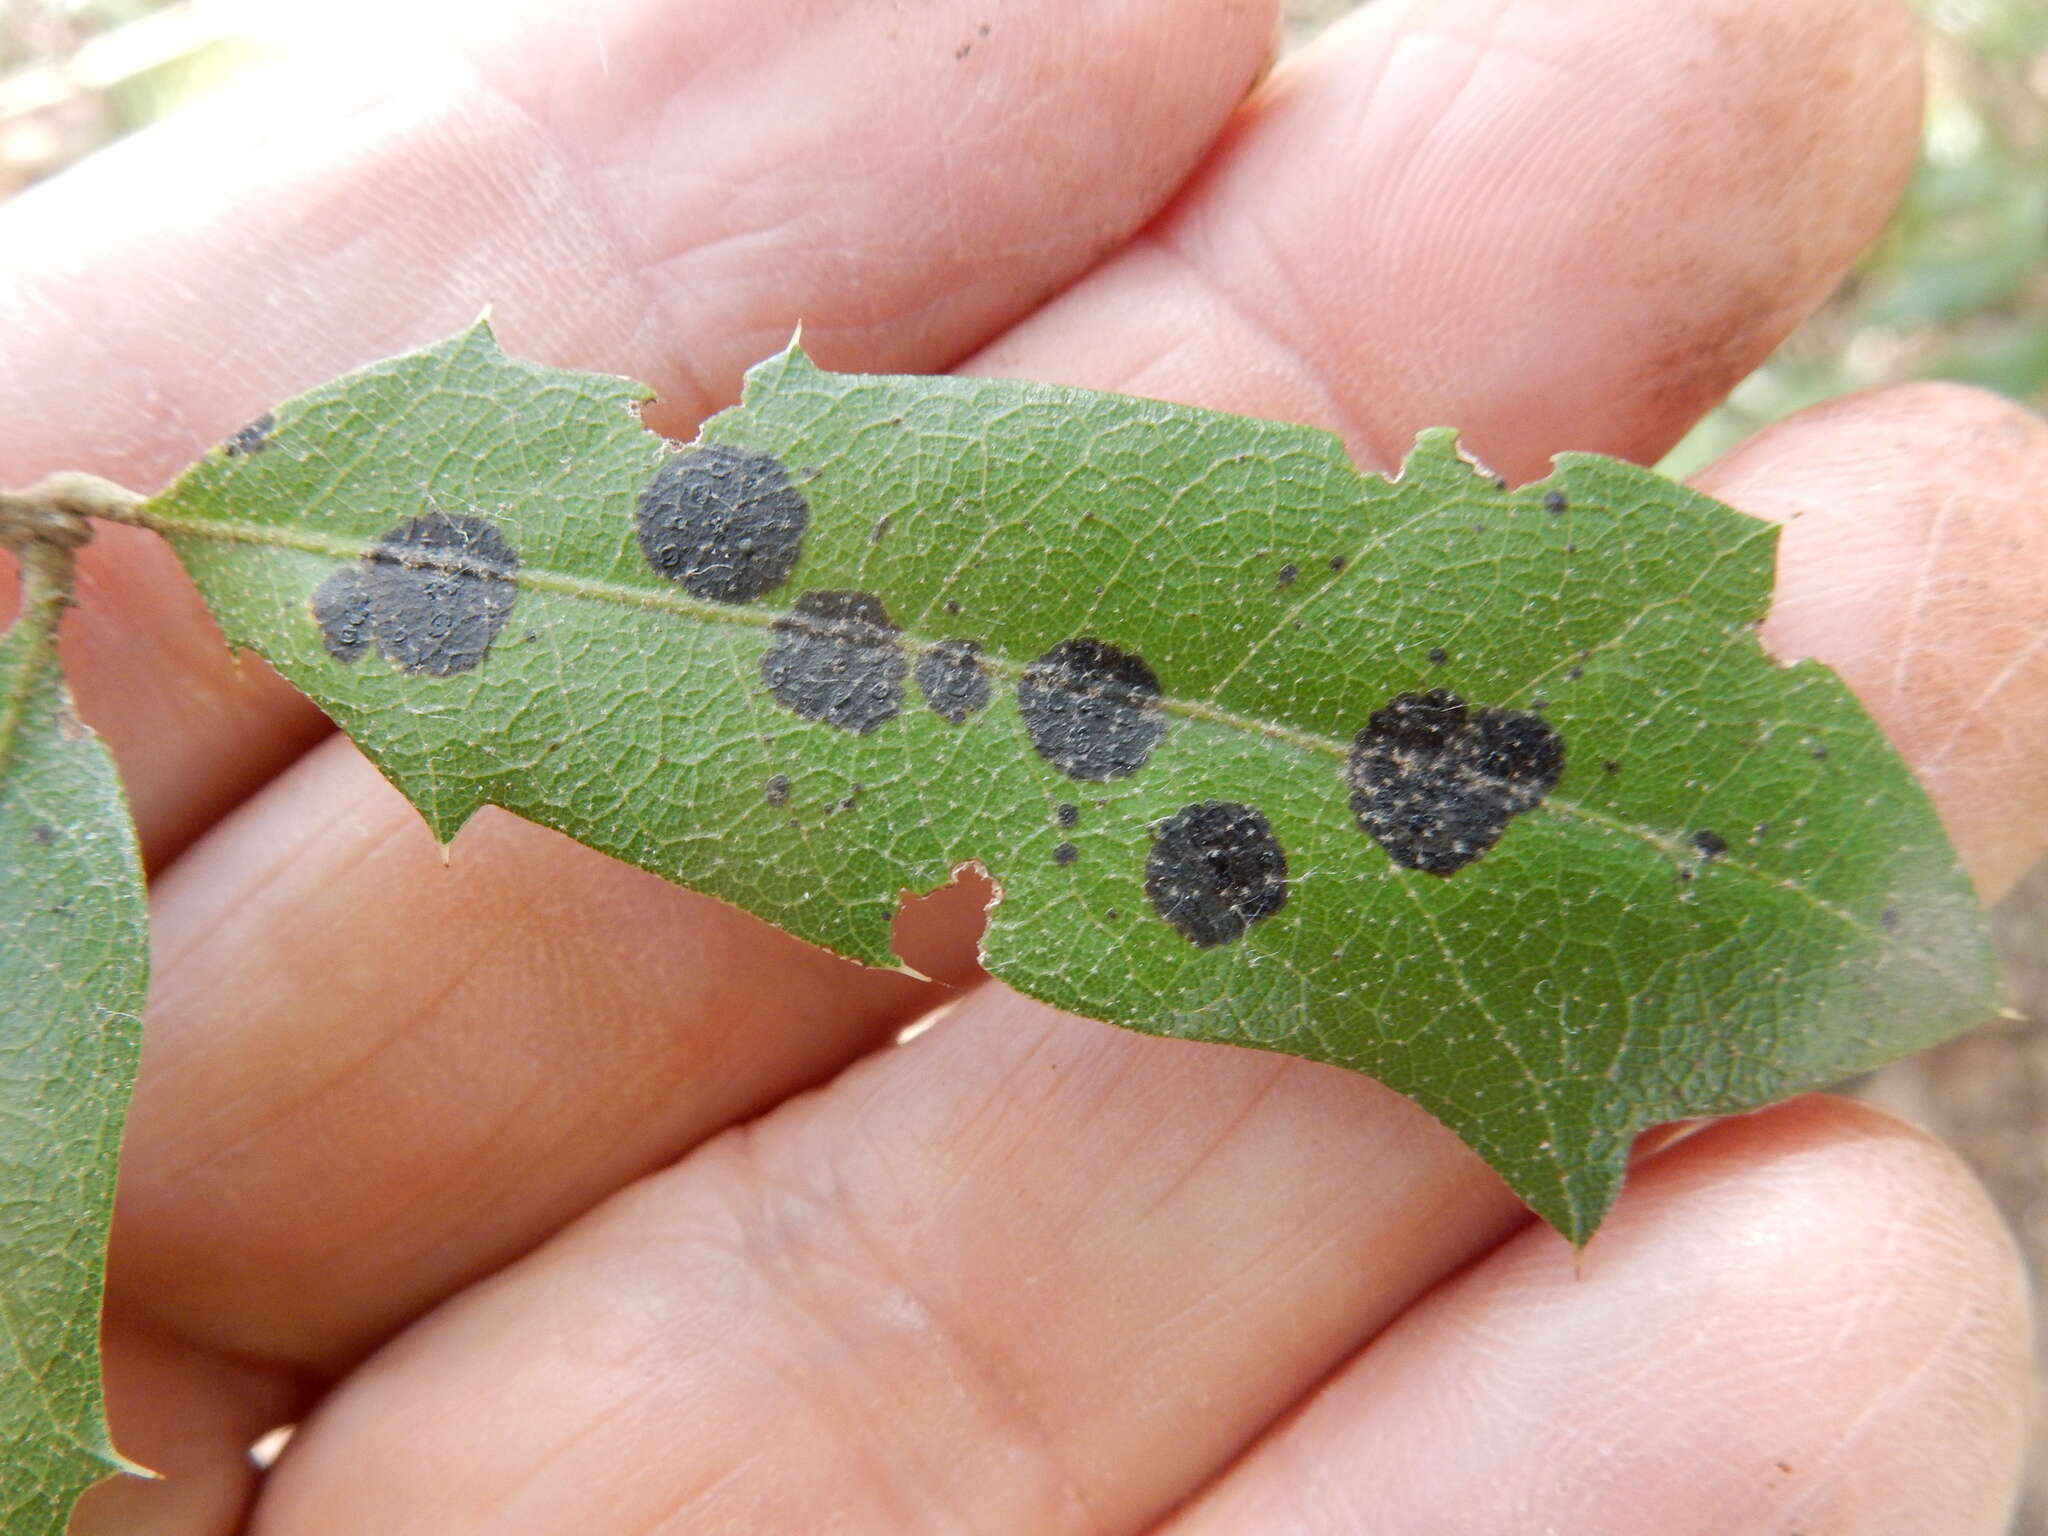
(1214, 870)
(725, 522)
(439, 589)
(837, 659)
(1435, 784)
(431, 596)
(950, 677)
(1092, 710)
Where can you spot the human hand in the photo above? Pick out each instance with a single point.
(502, 1172)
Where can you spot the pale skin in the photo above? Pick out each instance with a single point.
(552, 1198)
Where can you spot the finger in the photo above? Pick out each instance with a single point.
(645, 188)
(1551, 226)
(373, 1072)
(1810, 1319)
(1026, 1273)
(1914, 561)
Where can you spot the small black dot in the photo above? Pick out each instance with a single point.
(1709, 845)
(951, 606)
(253, 438)
(1337, 562)
(1820, 751)
(950, 677)
(1435, 783)
(1610, 766)
(1091, 710)
(1889, 919)
(1573, 674)
(776, 790)
(1214, 869)
(1067, 815)
(838, 660)
(1554, 503)
(1065, 853)
(1287, 575)
(724, 522)
(431, 596)
(1438, 655)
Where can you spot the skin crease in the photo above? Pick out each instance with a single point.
(1025, 1273)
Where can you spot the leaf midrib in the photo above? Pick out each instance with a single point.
(1670, 845)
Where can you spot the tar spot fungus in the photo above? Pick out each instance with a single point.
(1610, 766)
(1067, 815)
(836, 659)
(1092, 711)
(1215, 869)
(253, 438)
(951, 606)
(1435, 784)
(950, 677)
(431, 596)
(1554, 503)
(776, 790)
(1438, 655)
(1709, 845)
(341, 607)
(1337, 562)
(724, 522)
(1287, 575)
(1065, 853)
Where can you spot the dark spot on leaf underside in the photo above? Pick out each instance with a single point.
(837, 659)
(431, 596)
(723, 522)
(1065, 853)
(1287, 575)
(1091, 710)
(1214, 869)
(776, 790)
(1709, 845)
(952, 680)
(1435, 783)
(1554, 503)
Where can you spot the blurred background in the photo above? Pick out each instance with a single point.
(1957, 288)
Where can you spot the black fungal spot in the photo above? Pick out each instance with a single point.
(1820, 752)
(1092, 711)
(1215, 869)
(431, 596)
(1554, 503)
(950, 677)
(439, 590)
(836, 659)
(1337, 562)
(253, 438)
(1067, 815)
(341, 607)
(1435, 784)
(776, 790)
(1438, 655)
(1709, 845)
(724, 522)
(1610, 766)
(951, 606)
(1287, 575)
(1065, 853)
(1573, 674)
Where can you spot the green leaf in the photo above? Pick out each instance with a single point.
(881, 627)
(73, 964)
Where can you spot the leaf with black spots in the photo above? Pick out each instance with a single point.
(1490, 793)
